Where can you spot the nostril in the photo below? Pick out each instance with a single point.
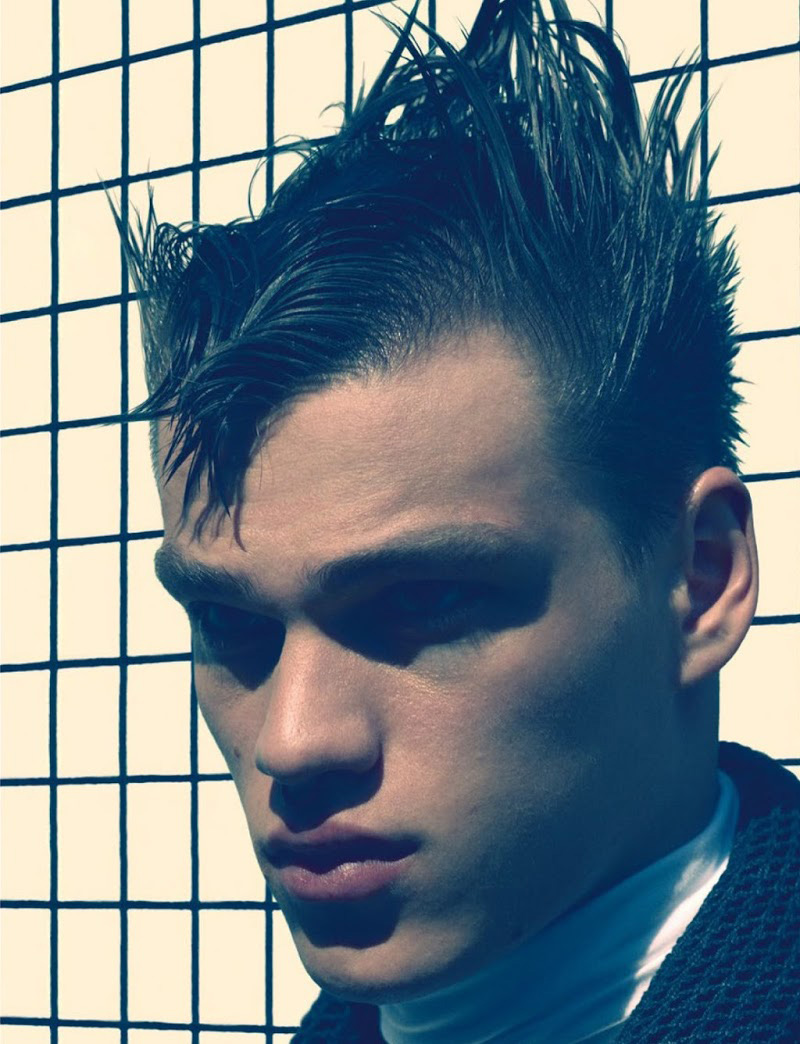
(300, 740)
(304, 804)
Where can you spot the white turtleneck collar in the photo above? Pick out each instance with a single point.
(581, 977)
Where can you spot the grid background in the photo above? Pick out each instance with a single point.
(132, 909)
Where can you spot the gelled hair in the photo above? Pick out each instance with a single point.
(512, 184)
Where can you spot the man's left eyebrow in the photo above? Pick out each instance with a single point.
(456, 549)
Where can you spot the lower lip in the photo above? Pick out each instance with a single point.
(356, 880)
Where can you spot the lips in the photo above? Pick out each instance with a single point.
(331, 865)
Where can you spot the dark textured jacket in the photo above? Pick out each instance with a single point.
(734, 975)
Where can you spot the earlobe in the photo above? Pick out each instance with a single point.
(716, 598)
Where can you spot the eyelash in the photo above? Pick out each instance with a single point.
(437, 625)
(383, 616)
(253, 633)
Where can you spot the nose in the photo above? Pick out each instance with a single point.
(318, 717)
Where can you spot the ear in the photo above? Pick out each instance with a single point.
(716, 596)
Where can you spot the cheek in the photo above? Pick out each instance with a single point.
(562, 686)
(542, 690)
(505, 778)
(528, 736)
(233, 717)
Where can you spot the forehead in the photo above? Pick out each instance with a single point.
(457, 436)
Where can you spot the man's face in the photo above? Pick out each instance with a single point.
(443, 700)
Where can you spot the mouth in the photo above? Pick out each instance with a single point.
(347, 868)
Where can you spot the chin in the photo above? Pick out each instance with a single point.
(400, 967)
(372, 983)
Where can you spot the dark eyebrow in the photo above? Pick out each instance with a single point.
(186, 578)
(453, 548)
(457, 549)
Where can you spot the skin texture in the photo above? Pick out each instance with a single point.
(556, 737)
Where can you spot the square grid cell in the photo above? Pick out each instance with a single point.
(232, 191)
(302, 102)
(156, 623)
(159, 956)
(158, 700)
(159, 842)
(232, 966)
(79, 48)
(24, 628)
(771, 369)
(152, 884)
(155, 25)
(25, 257)
(25, 983)
(161, 112)
(89, 363)
(228, 868)
(25, 488)
(90, 120)
(89, 481)
(88, 964)
(767, 237)
(657, 36)
(87, 712)
(25, 725)
(233, 113)
(88, 601)
(88, 837)
(144, 508)
(25, 373)
(25, 41)
(89, 255)
(24, 842)
(21, 1034)
(756, 118)
(776, 23)
(221, 18)
(25, 138)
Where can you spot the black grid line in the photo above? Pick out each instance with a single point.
(95, 661)
(53, 681)
(194, 905)
(112, 299)
(348, 57)
(275, 149)
(138, 904)
(704, 156)
(87, 541)
(269, 935)
(678, 68)
(194, 797)
(123, 527)
(270, 102)
(355, 5)
(54, 664)
(193, 1027)
(150, 777)
(609, 17)
(256, 154)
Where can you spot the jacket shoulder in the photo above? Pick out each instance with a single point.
(763, 784)
(735, 972)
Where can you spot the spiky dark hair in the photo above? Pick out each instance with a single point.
(513, 183)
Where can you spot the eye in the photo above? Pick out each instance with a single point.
(424, 598)
(431, 610)
(227, 631)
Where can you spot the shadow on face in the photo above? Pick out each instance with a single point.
(422, 633)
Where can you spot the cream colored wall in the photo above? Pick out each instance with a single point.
(756, 118)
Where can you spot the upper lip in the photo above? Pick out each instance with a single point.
(330, 845)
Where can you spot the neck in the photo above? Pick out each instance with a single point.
(582, 975)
